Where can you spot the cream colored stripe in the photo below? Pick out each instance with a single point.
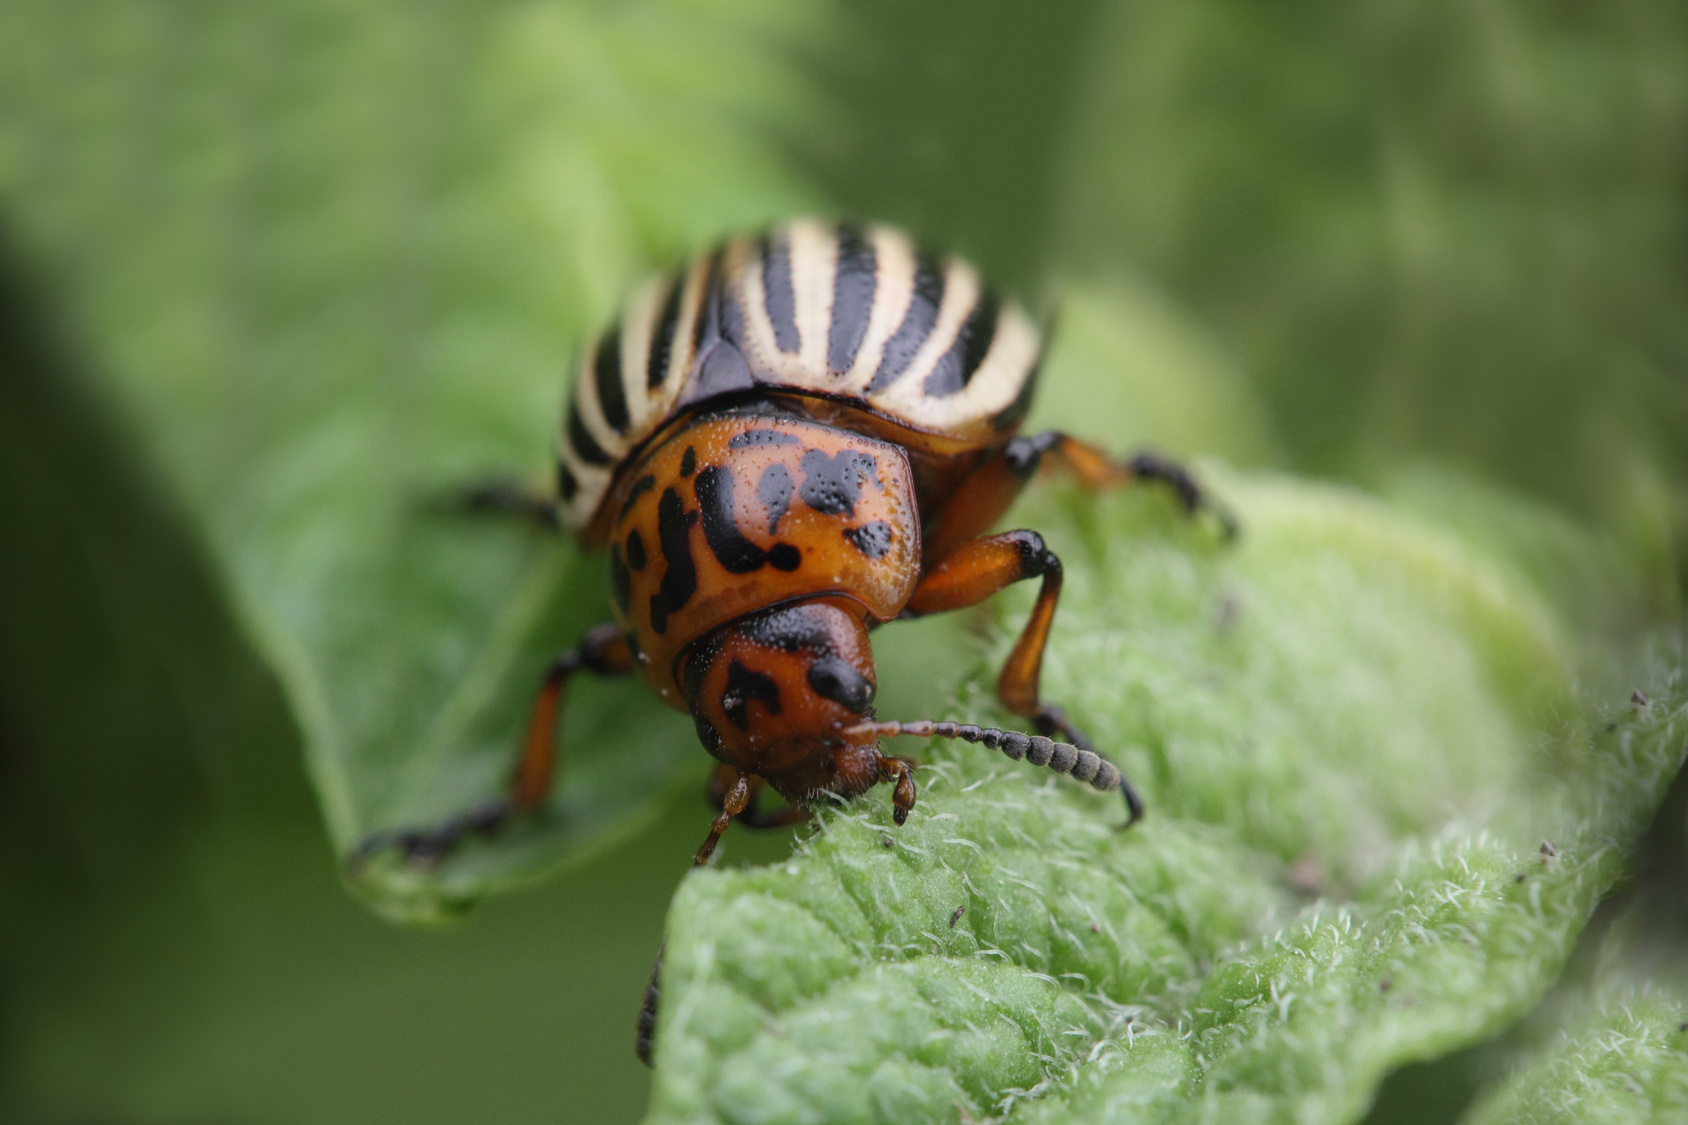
(1007, 365)
(636, 327)
(592, 481)
(961, 293)
(592, 411)
(814, 260)
(894, 256)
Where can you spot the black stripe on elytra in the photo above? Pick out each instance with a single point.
(954, 370)
(752, 438)
(744, 685)
(715, 500)
(567, 486)
(662, 340)
(871, 539)
(641, 486)
(832, 485)
(922, 314)
(635, 550)
(679, 580)
(778, 293)
(774, 490)
(621, 582)
(585, 448)
(706, 308)
(853, 287)
(606, 368)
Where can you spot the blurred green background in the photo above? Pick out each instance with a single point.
(1418, 232)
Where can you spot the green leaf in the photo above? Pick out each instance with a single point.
(334, 258)
(1354, 731)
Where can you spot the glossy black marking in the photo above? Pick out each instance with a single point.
(783, 556)
(679, 580)
(774, 490)
(832, 678)
(922, 314)
(853, 287)
(779, 295)
(706, 318)
(744, 685)
(688, 461)
(641, 486)
(720, 530)
(662, 340)
(585, 448)
(606, 370)
(749, 439)
(871, 539)
(567, 486)
(955, 368)
(621, 582)
(636, 550)
(832, 485)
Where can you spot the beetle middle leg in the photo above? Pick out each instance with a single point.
(721, 782)
(979, 568)
(603, 650)
(986, 494)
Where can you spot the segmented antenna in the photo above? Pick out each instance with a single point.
(1062, 757)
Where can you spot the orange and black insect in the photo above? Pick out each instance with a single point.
(803, 436)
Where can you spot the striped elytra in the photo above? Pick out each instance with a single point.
(857, 314)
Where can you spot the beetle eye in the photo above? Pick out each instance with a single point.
(831, 678)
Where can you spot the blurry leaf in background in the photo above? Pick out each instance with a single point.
(1426, 229)
(335, 262)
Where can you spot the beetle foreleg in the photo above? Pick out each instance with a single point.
(603, 651)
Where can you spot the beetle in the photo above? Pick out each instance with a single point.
(803, 435)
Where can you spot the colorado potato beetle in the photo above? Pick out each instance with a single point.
(803, 435)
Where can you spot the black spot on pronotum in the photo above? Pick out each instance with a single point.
(832, 485)
(715, 500)
(774, 490)
(679, 580)
(621, 582)
(688, 461)
(783, 556)
(871, 539)
(635, 550)
(832, 678)
(744, 685)
(641, 486)
(749, 439)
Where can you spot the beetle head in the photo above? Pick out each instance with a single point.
(773, 692)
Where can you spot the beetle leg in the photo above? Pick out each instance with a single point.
(753, 816)
(988, 492)
(604, 651)
(979, 568)
(901, 771)
(505, 496)
(732, 803)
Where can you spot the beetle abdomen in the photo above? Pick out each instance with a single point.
(853, 313)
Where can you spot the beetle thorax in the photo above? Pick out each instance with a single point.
(741, 512)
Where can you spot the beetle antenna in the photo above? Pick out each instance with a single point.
(1062, 757)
